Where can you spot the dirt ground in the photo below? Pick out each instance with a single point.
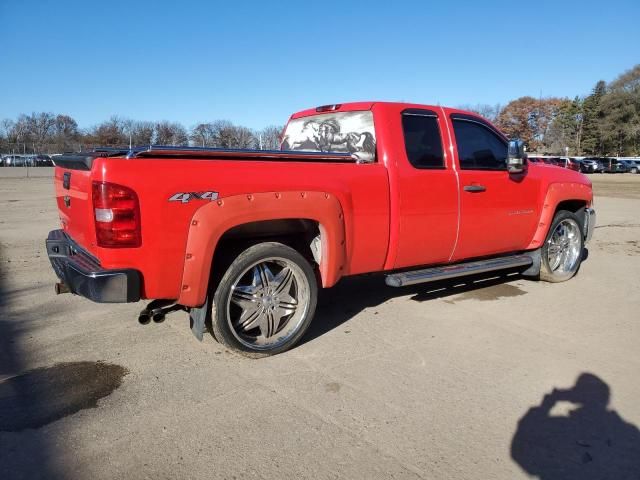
(498, 379)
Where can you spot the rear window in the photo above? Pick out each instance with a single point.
(342, 132)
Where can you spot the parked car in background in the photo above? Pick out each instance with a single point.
(39, 160)
(613, 165)
(15, 161)
(633, 166)
(572, 164)
(42, 160)
(591, 165)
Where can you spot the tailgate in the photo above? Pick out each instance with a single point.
(73, 195)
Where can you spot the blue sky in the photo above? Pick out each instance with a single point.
(254, 63)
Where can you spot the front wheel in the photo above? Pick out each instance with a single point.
(265, 301)
(562, 250)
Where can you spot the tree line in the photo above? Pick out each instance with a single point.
(46, 132)
(605, 122)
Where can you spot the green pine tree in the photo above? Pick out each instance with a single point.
(591, 135)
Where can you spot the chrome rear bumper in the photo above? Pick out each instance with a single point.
(82, 274)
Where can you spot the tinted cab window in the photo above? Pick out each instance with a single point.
(479, 148)
(422, 139)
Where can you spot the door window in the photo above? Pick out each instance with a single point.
(479, 148)
(422, 139)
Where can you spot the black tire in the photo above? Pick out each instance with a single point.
(549, 271)
(266, 303)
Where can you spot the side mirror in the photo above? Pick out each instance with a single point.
(516, 156)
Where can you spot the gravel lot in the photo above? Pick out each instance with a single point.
(416, 383)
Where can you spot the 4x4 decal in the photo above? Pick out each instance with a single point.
(185, 197)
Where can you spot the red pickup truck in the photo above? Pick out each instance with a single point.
(242, 239)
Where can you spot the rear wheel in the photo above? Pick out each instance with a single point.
(265, 301)
(562, 250)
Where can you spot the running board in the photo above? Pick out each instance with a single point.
(445, 272)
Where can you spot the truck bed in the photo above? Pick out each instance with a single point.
(157, 174)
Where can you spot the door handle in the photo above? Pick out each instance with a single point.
(474, 188)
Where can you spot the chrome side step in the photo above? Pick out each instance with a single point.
(445, 272)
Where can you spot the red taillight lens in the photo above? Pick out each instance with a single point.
(117, 215)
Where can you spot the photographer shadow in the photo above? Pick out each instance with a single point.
(589, 442)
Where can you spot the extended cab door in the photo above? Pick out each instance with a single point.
(498, 211)
(426, 217)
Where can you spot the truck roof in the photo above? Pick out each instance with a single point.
(367, 105)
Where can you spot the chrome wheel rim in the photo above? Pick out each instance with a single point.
(563, 249)
(268, 302)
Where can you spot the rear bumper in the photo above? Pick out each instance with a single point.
(84, 276)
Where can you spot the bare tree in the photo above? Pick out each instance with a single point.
(65, 132)
(141, 133)
(490, 112)
(223, 134)
(6, 125)
(110, 133)
(202, 135)
(243, 138)
(270, 137)
(170, 133)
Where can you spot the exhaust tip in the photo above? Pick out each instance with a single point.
(144, 318)
(61, 288)
(158, 317)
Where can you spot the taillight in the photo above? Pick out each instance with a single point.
(117, 215)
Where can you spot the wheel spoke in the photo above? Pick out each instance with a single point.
(565, 260)
(275, 322)
(269, 323)
(553, 249)
(282, 281)
(245, 297)
(287, 304)
(249, 319)
(262, 275)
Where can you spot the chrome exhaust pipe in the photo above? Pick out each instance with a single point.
(61, 288)
(157, 311)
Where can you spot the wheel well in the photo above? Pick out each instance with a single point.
(575, 206)
(571, 205)
(296, 233)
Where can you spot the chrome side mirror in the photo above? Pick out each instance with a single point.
(516, 156)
